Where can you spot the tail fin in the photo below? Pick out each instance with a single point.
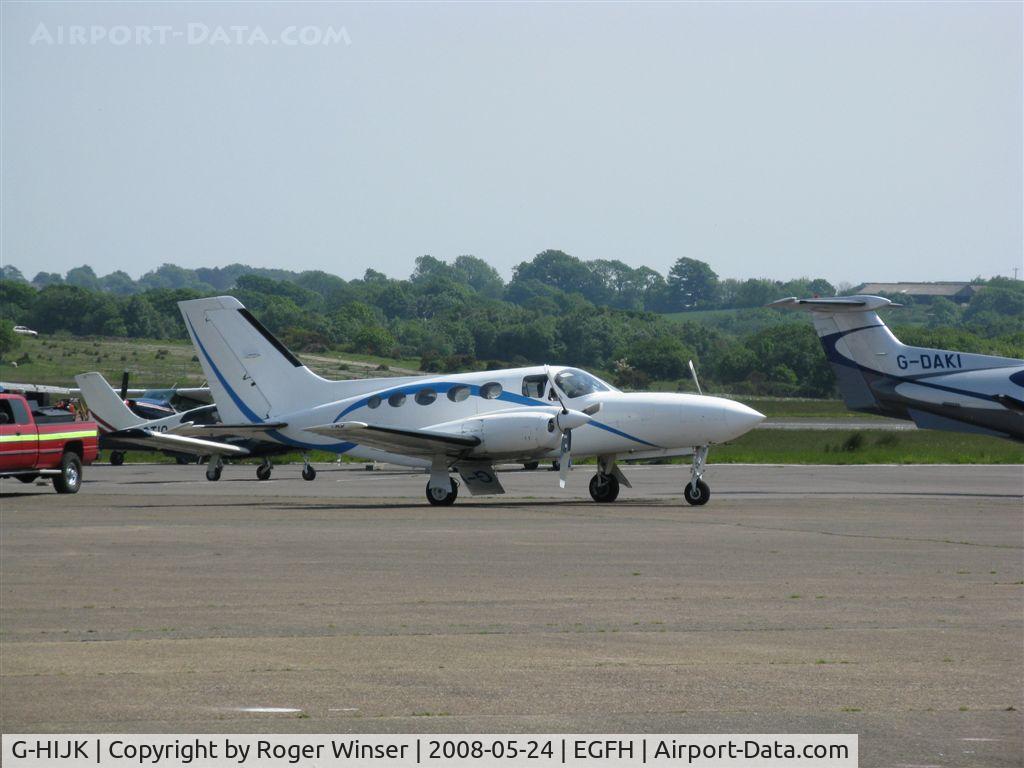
(855, 341)
(107, 408)
(251, 374)
(867, 358)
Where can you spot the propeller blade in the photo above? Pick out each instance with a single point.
(551, 381)
(565, 459)
(693, 372)
(124, 385)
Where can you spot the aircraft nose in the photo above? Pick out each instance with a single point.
(739, 419)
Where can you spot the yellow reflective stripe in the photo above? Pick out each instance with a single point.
(67, 435)
(47, 436)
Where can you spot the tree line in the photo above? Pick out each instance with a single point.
(461, 315)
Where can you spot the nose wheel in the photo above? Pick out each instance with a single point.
(697, 491)
(441, 497)
(604, 489)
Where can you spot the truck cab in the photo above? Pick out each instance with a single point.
(50, 445)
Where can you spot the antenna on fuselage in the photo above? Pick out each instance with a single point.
(693, 372)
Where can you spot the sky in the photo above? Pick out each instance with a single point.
(851, 141)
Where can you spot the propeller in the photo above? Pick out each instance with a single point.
(124, 385)
(566, 421)
(693, 372)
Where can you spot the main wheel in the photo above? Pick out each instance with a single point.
(604, 489)
(439, 498)
(263, 471)
(116, 458)
(308, 472)
(70, 478)
(213, 472)
(697, 495)
(531, 465)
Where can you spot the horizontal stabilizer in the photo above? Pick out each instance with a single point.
(414, 442)
(166, 441)
(834, 304)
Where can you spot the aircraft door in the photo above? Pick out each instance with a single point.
(20, 449)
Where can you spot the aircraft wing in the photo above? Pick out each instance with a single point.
(253, 431)
(168, 441)
(409, 442)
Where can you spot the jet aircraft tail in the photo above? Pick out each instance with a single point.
(870, 362)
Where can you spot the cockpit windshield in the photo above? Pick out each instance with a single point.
(576, 383)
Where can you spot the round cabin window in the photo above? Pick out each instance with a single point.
(426, 396)
(396, 399)
(458, 393)
(491, 390)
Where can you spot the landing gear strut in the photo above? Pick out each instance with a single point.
(308, 472)
(264, 469)
(697, 491)
(440, 497)
(214, 468)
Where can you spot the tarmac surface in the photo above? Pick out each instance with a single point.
(885, 601)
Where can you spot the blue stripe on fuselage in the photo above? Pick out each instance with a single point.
(836, 358)
(443, 387)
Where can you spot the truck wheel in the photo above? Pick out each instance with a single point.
(70, 478)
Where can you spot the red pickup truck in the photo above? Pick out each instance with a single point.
(48, 442)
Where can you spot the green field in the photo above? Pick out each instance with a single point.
(55, 360)
(844, 446)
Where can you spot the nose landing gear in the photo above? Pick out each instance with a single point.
(440, 497)
(604, 489)
(697, 491)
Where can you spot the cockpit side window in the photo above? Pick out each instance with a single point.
(534, 386)
(576, 383)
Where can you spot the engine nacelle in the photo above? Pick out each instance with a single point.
(513, 434)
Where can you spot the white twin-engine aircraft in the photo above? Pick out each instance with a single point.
(463, 422)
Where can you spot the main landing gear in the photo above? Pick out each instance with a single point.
(441, 497)
(214, 468)
(697, 491)
(308, 471)
(264, 469)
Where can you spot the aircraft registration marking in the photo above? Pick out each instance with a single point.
(930, 361)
